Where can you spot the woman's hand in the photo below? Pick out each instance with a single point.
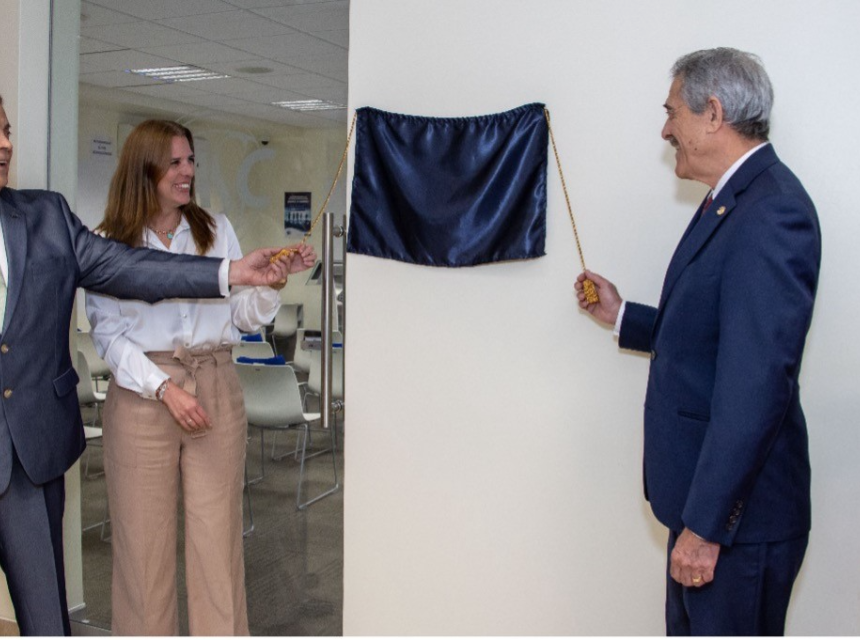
(293, 259)
(186, 410)
(302, 257)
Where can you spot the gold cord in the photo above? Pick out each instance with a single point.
(587, 286)
(336, 178)
(288, 252)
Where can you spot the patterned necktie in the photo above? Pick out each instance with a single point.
(708, 202)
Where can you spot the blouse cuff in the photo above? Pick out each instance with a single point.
(151, 384)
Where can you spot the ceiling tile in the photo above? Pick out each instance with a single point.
(255, 62)
(178, 91)
(303, 42)
(320, 16)
(160, 9)
(201, 53)
(229, 86)
(229, 24)
(258, 4)
(124, 59)
(301, 82)
(93, 15)
(116, 79)
(91, 45)
(290, 48)
(133, 35)
(339, 37)
(288, 117)
(268, 95)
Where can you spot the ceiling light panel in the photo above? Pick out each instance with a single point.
(184, 73)
(308, 105)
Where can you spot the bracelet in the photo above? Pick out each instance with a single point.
(162, 388)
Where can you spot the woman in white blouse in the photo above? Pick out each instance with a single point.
(174, 413)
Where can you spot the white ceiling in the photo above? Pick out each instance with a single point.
(303, 43)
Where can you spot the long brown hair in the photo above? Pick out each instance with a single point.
(133, 195)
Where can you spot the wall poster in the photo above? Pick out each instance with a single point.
(297, 212)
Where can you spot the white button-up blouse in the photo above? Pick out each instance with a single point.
(123, 330)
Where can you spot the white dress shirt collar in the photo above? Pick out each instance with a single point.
(733, 169)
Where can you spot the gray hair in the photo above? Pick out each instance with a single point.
(737, 79)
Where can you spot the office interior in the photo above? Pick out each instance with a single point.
(492, 474)
(249, 155)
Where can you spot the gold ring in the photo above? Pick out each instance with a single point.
(697, 579)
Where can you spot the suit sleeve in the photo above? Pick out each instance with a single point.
(637, 326)
(767, 289)
(113, 268)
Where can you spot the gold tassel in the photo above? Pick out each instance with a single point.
(590, 292)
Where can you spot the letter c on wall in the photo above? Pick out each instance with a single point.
(249, 199)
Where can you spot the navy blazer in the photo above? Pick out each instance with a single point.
(50, 254)
(726, 451)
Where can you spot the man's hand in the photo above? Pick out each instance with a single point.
(257, 268)
(693, 560)
(610, 302)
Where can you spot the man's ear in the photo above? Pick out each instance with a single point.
(714, 111)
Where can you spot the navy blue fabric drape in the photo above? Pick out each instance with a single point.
(450, 192)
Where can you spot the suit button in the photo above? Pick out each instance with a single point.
(7, 393)
(653, 355)
(4, 348)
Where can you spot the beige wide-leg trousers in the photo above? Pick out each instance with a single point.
(147, 458)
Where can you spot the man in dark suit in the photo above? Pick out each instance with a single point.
(45, 255)
(726, 453)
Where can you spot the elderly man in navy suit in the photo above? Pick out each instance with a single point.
(726, 453)
(45, 255)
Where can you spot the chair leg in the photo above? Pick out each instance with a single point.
(250, 528)
(295, 452)
(262, 460)
(87, 464)
(105, 522)
(299, 504)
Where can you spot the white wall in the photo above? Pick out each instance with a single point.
(494, 458)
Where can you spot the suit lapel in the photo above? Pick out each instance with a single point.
(700, 230)
(15, 236)
(702, 227)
